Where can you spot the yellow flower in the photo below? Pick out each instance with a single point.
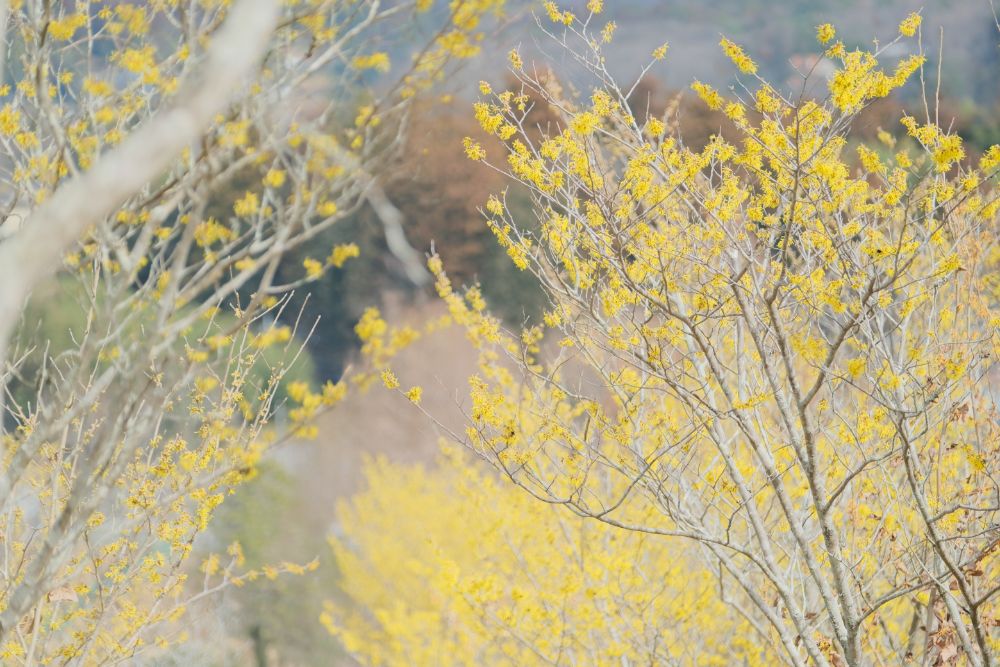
(767, 101)
(709, 95)
(246, 206)
(585, 123)
(10, 120)
(909, 26)
(104, 115)
(298, 391)
(366, 117)
(140, 61)
(65, 28)
(96, 87)
(738, 56)
(990, 159)
(210, 232)
(557, 15)
(514, 58)
(414, 394)
(334, 393)
(343, 252)
(494, 205)
(473, 149)
(378, 61)
(825, 32)
(389, 379)
(949, 150)
(314, 269)
(274, 178)
(608, 33)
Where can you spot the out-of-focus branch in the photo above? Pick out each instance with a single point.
(36, 251)
(4, 12)
(392, 220)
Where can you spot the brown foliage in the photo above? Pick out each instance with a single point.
(440, 190)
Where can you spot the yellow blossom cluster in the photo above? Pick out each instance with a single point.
(174, 386)
(774, 347)
(468, 570)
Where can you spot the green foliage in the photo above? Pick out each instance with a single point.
(270, 520)
(56, 318)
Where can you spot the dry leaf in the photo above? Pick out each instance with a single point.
(27, 624)
(63, 593)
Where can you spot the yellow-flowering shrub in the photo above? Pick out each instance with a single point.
(770, 362)
(164, 158)
(452, 566)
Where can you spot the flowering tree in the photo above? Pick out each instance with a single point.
(481, 573)
(125, 131)
(769, 363)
